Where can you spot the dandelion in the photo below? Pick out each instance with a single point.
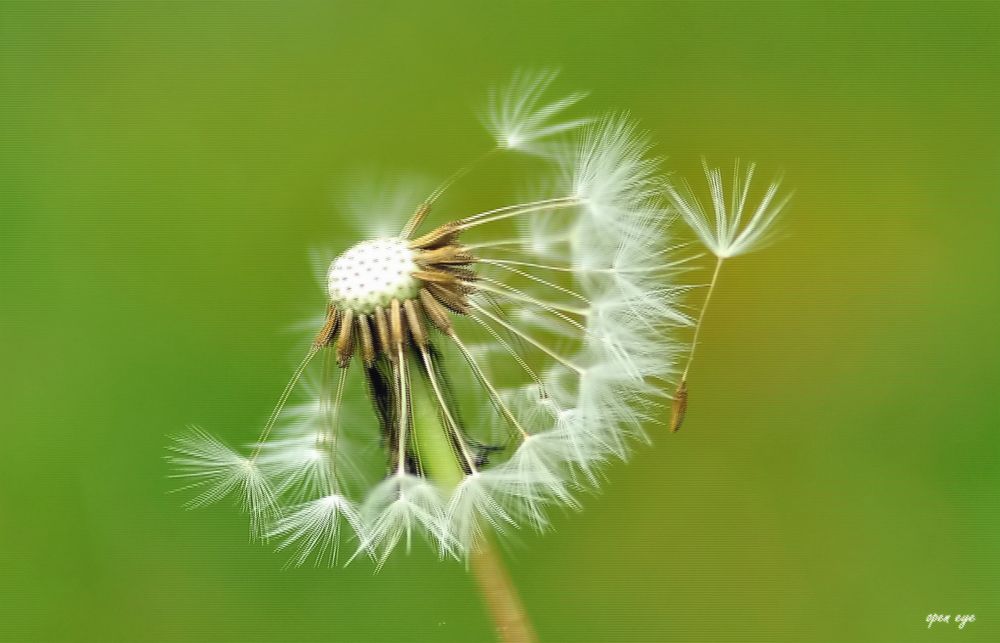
(533, 337)
(504, 356)
(727, 233)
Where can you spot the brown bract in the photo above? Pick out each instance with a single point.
(444, 270)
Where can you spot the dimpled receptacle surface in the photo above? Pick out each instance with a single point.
(373, 273)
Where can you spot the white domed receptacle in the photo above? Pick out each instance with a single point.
(371, 274)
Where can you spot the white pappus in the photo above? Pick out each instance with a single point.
(477, 373)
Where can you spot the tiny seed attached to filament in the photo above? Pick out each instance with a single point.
(678, 408)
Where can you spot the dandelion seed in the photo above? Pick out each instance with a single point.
(726, 233)
(313, 528)
(518, 116)
(400, 507)
(500, 373)
(215, 471)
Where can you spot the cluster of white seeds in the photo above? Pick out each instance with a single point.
(371, 274)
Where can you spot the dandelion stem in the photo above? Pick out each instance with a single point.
(502, 601)
(501, 597)
(435, 450)
(443, 405)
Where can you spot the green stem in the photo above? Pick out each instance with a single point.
(441, 463)
(433, 446)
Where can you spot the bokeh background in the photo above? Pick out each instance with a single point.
(165, 167)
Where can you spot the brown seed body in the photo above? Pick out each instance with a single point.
(367, 345)
(382, 331)
(678, 409)
(329, 330)
(397, 332)
(455, 301)
(345, 341)
(445, 255)
(440, 236)
(415, 325)
(437, 313)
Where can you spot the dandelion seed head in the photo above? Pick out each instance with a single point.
(469, 383)
(371, 274)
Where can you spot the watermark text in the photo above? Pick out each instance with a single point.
(961, 620)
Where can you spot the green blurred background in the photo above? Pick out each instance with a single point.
(165, 167)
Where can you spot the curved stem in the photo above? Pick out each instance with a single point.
(509, 617)
(502, 601)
